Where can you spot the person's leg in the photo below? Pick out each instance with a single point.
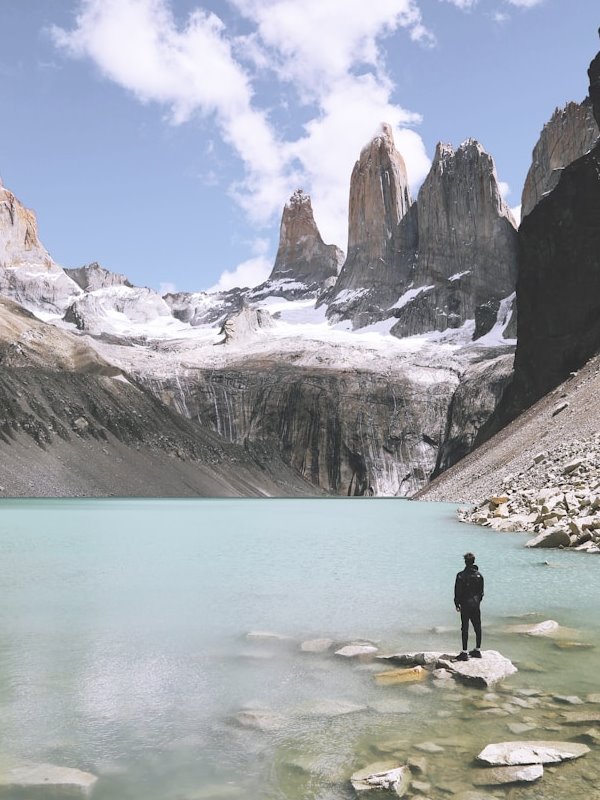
(464, 627)
(476, 620)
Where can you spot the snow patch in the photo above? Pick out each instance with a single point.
(410, 295)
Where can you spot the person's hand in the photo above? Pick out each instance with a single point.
(458, 608)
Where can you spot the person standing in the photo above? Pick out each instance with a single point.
(468, 594)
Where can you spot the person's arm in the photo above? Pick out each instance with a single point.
(481, 598)
(457, 592)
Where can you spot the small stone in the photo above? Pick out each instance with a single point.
(382, 776)
(429, 747)
(395, 676)
(571, 699)
(520, 727)
(560, 407)
(572, 465)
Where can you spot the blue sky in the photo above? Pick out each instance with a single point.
(162, 137)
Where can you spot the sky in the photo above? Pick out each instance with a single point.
(162, 138)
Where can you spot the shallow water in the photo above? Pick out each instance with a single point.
(123, 645)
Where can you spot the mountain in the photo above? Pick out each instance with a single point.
(300, 378)
(304, 264)
(370, 280)
(570, 133)
(73, 424)
(447, 261)
(558, 289)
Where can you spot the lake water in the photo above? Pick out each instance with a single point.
(124, 648)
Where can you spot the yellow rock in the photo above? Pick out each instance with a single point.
(400, 676)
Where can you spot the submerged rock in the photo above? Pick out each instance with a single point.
(394, 676)
(501, 775)
(49, 778)
(535, 752)
(395, 779)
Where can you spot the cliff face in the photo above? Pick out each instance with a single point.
(373, 276)
(467, 245)
(304, 263)
(558, 291)
(72, 424)
(27, 273)
(571, 132)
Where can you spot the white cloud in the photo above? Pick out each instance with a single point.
(504, 189)
(464, 5)
(248, 273)
(525, 3)
(516, 212)
(500, 17)
(326, 57)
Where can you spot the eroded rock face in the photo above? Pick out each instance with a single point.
(570, 133)
(558, 290)
(205, 308)
(372, 277)
(27, 272)
(19, 240)
(350, 432)
(467, 244)
(304, 263)
(116, 309)
(93, 276)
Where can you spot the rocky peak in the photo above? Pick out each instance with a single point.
(19, 240)
(372, 275)
(594, 77)
(92, 276)
(302, 256)
(467, 244)
(570, 133)
(245, 324)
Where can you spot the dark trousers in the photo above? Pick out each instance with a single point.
(470, 614)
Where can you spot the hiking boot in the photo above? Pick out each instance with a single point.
(475, 653)
(462, 656)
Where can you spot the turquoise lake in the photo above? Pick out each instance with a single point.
(124, 647)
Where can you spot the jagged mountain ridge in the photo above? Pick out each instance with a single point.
(352, 412)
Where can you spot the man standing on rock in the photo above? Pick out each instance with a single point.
(468, 594)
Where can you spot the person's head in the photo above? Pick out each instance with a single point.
(469, 559)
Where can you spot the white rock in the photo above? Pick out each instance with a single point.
(555, 537)
(316, 645)
(356, 650)
(485, 671)
(535, 752)
(395, 779)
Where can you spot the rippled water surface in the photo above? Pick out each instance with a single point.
(123, 646)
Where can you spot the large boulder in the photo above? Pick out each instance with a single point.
(553, 537)
(491, 668)
(504, 775)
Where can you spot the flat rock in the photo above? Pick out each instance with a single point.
(316, 645)
(547, 628)
(581, 717)
(395, 676)
(331, 708)
(534, 752)
(356, 650)
(393, 778)
(499, 776)
(259, 719)
(267, 636)
(429, 747)
(485, 671)
(63, 781)
(423, 659)
(520, 727)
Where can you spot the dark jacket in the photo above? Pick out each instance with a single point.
(468, 587)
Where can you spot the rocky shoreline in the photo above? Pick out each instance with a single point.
(556, 498)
